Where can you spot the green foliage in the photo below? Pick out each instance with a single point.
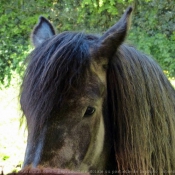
(159, 46)
(155, 16)
(154, 31)
(153, 26)
(17, 18)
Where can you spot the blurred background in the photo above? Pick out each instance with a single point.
(152, 31)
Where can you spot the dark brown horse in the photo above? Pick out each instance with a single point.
(96, 105)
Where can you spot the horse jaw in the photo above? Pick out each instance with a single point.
(95, 157)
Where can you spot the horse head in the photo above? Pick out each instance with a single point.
(64, 98)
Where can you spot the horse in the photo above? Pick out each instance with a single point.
(96, 104)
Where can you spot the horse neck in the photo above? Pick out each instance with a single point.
(141, 101)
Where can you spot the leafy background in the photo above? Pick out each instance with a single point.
(152, 31)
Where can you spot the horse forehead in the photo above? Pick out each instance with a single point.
(93, 90)
(98, 71)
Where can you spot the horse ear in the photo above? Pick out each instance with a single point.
(42, 31)
(114, 36)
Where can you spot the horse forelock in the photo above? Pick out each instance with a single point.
(142, 103)
(58, 68)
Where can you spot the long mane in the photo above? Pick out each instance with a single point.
(142, 105)
(44, 86)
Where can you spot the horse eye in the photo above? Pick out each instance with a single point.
(90, 110)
